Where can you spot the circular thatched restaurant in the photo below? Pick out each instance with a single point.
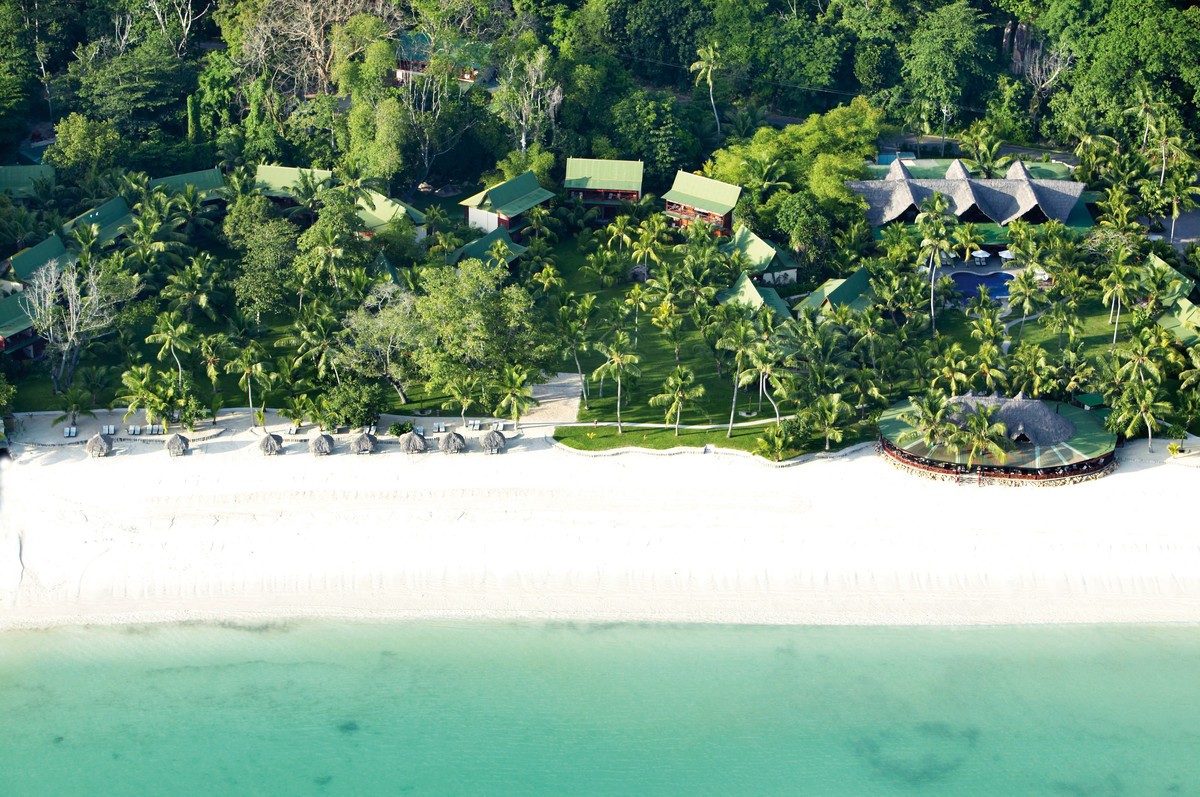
(1045, 442)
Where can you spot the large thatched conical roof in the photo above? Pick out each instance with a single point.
(320, 445)
(271, 445)
(1024, 419)
(494, 441)
(177, 445)
(412, 443)
(453, 443)
(363, 444)
(100, 445)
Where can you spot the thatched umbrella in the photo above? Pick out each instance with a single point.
(453, 443)
(100, 445)
(271, 445)
(177, 445)
(320, 445)
(493, 442)
(363, 444)
(412, 443)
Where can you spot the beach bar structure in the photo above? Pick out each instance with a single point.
(604, 184)
(502, 205)
(695, 198)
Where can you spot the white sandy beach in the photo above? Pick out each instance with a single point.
(540, 533)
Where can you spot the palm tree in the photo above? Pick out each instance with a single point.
(214, 350)
(1181, 192)
(740, 338)
(1025, 294)
(549, 279)
(175, 335)
(928, 419)
(1190, 378)
(646, 248)
(498, 253)
(315, 338)
(637, 299)
(1141, 407)
(1146, 106)
(773, 443)
(708, 61)
(194, 287)
(828, 415)
(142, 390)
(251, 366)
(1118, 287)
(950, 367)
(620, 361)
(435, 217)
(307, 193)
(1143, 359)
(464, 391)
(95, 379)
(329, 250)
(766, 173)
(540, 222)
(981, 436)
(933, 223)
(621, 231)
(679, 390)
(968, 239)
(74, 401)
(1029, 371)
(516, 394)
(572, 320)
(989, 367)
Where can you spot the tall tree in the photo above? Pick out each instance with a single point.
(620, 362)
(708, 61)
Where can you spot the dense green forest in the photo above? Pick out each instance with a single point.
(289, 304)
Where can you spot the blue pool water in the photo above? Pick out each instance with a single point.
(505, 709)
(997, 283)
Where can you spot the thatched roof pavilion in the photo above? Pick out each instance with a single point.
(363, 444)
(494, 442)
(271, 445)
(1027, 420)
(412, 443)
(320, 445)
(177, 445)
(100, 445)
(453, 443)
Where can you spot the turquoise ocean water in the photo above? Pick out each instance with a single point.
(500, 709)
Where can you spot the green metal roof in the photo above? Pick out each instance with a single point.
(603, 175)
(746, 293)
(27, 261)
(278, 181)
(109, 217)
(511, 198)
(1183, 284)
(1090, 400)
(13, 318)
(478, 249)
(206, 181)
(415, 46)
(1182, 321)
(385, 210)
(853, 290)
(763, 255)
(697, 191)
(18, 180)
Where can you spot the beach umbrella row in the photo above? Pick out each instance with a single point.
(101, 445)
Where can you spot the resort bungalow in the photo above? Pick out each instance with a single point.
(279, 182)
(20, 182)
(854, 291)
(382, 210)
(110, 217)
(415, 50)
(1019, 195)
(604, 184)
(696, 198)
(502, 205)
(1180, 317)
(16, 330)
(755, 297)
(207, 182)
(480, 248)
(773, 265)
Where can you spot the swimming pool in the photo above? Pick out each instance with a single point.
(997, 283)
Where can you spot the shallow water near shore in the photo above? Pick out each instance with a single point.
(314, 708)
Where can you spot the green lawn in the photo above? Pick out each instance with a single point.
(605, 438)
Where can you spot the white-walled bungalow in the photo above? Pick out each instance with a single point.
(502, 205)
